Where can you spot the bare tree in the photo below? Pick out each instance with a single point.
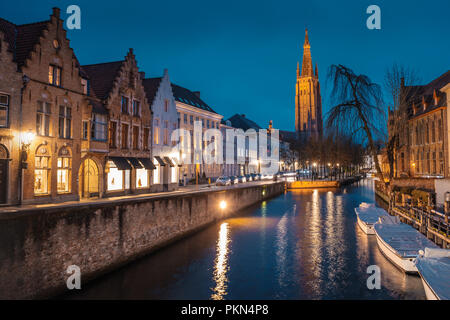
(359, 107)
(398, 82)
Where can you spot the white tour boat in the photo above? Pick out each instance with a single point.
(367, 214)
(434, 269)
(400, 243)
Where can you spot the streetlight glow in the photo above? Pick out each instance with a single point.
(27, 138)
(223, 204)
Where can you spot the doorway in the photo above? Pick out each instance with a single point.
(88, 177)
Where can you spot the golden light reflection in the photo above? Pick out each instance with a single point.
(221, 263)
(281, 250)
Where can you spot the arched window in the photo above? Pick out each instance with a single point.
(42, 170)
(64, 174)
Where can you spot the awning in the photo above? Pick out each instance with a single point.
(147, 163)
(160, 161)
(121, 163)
(167, 159)
(178, 163)
(135, 163)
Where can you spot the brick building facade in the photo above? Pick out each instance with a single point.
(51, 103)
(118, 130)
(424, 145)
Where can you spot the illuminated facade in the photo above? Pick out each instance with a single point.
(192, 108)
(52, 99)
(308, 101)
(117, 141)
(165, 121)
(423, 145)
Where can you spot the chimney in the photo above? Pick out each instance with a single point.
(424, 103)
(270, 125)
(435, 97)
(56, 12)
(142, 74)
(197, 93)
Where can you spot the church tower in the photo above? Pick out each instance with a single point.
(308, 102)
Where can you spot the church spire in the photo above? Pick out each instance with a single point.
(298, 70)
(307, 68)
(316, 73)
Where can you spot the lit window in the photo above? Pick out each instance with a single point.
(41, 171)
(54, 75)
(4, 108)
(115, 177)
(156, 132)
(173, 174)
(63, 173)
(43, 118)
(141, 178)
(156, 172)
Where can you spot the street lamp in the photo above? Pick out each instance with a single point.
(314, 170)
(25, 141)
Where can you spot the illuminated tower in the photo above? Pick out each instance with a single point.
(308, 102)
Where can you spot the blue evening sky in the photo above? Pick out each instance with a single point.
(242, 55)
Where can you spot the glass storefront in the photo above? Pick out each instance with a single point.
(141, 178)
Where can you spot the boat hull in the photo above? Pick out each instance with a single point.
(428, 291)
(366, 228)
(405, 264)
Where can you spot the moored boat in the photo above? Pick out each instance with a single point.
(367, 214)
(400, 243)
(434, 270)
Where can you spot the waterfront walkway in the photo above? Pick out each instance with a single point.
(183, 190)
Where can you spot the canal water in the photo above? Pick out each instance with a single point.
(300, 245)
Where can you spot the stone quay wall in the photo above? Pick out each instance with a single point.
(38, 245)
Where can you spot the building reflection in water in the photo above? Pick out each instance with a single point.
(221, 263)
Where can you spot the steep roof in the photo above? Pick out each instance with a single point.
(22, 38)
(101, 77)
(151, 86)
(242, 122)
(418, 94)
(188, 97)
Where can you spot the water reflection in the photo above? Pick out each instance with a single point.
(281, 249)
(303, 244)
(221, 266)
